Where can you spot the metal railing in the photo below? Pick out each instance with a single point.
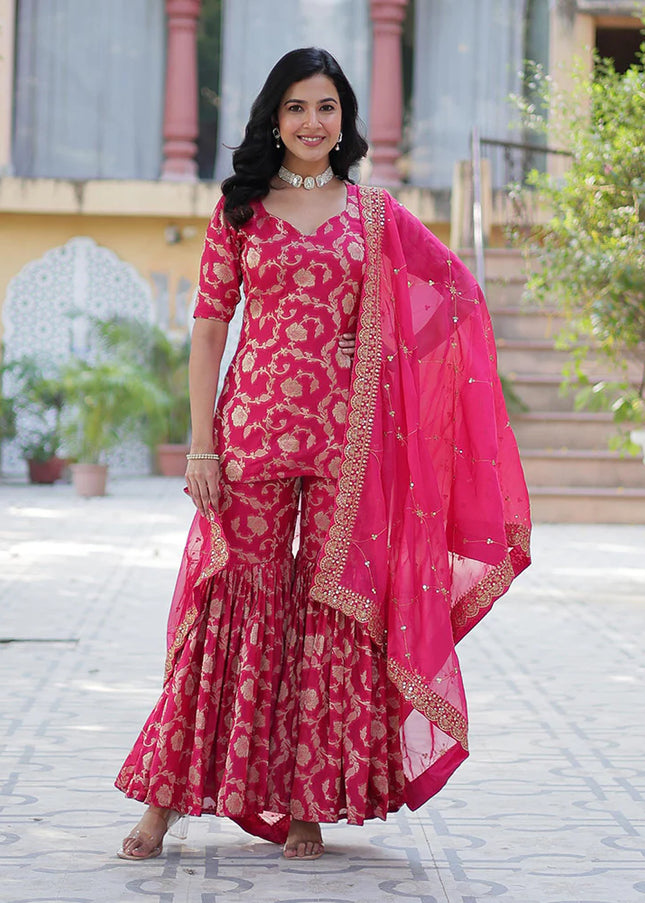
(510, 165)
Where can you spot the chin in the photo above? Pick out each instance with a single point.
(312, 158)
(310, 155)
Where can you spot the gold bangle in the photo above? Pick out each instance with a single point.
(202, 456)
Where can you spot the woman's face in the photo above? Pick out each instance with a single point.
(309, 119)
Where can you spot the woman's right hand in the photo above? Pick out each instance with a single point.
(202, 480)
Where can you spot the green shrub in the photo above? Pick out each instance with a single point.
(590, 255)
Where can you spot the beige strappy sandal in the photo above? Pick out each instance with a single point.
(175, 824)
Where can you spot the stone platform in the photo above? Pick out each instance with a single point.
(549, 808)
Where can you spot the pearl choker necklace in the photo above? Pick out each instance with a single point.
(307, 182)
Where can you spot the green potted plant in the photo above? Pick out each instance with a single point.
(39, 396)
(7, 418)
(105, 401)
(36, 400)
(166, 359)
(40, 451)
(7, 410)
(170, 365)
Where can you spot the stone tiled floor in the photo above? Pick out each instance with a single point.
(548, 809)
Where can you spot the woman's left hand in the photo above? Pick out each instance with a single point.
(347, 343)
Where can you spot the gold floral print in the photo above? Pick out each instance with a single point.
(275, 703)
(288, 376)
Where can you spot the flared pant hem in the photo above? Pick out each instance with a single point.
(278, 706)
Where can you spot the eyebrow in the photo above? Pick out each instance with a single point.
(324, 100)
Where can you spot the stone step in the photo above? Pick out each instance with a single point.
(499, 262)
(577, 505)
(505, 292)
(520, 323)
(530, 356)
(542, 392)
(583, 468)
(542, 357)
(572, 474)
(563, 430)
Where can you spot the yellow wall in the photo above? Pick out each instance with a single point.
(139, 241)
(129, 218)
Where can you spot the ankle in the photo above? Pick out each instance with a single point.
(169, 816)
(158, 812)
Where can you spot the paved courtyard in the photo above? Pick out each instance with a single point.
(550, 807)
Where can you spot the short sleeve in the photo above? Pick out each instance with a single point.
(219, 272)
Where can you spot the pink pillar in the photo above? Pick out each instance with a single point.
(386, 106)
(180, 123)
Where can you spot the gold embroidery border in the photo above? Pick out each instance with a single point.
(180, 638)
(482, 595)
(519, 535)
(219, 550)
(360, 418)
(219, 556)
(415, 688)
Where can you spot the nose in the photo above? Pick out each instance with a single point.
(311, 119)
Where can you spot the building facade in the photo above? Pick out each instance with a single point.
(101, 134)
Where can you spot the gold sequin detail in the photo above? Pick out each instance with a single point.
(414, 687)
(497, 580)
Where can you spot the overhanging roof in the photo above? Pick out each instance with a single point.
(609, 8)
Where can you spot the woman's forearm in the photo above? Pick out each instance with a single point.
(207, 347)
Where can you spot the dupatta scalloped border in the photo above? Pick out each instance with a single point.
(219, 553)
(473, 605)
(180, 638)
(414, 687)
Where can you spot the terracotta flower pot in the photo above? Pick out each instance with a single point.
(46, 471)
(171, 459)
(89, 479)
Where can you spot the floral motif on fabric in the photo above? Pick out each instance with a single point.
(427, 525)
(276, 705)
(283, 407)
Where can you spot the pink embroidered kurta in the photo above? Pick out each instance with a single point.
(283, 408)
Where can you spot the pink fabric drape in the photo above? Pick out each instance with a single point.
(431, 519)
(431, 460)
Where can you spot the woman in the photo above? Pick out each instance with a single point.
(364, 399)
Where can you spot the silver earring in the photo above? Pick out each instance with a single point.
(340, 138)
(276, 135)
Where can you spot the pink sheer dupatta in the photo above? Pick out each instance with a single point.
(431, 522)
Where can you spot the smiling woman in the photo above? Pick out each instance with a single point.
(310, 124)
(362, 400)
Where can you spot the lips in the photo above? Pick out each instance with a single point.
(313, 140)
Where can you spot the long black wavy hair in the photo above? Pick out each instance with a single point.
(257, 159)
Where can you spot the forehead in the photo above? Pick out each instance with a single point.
(312, 89)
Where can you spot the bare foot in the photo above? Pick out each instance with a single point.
(304, 841)
(146, 839)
